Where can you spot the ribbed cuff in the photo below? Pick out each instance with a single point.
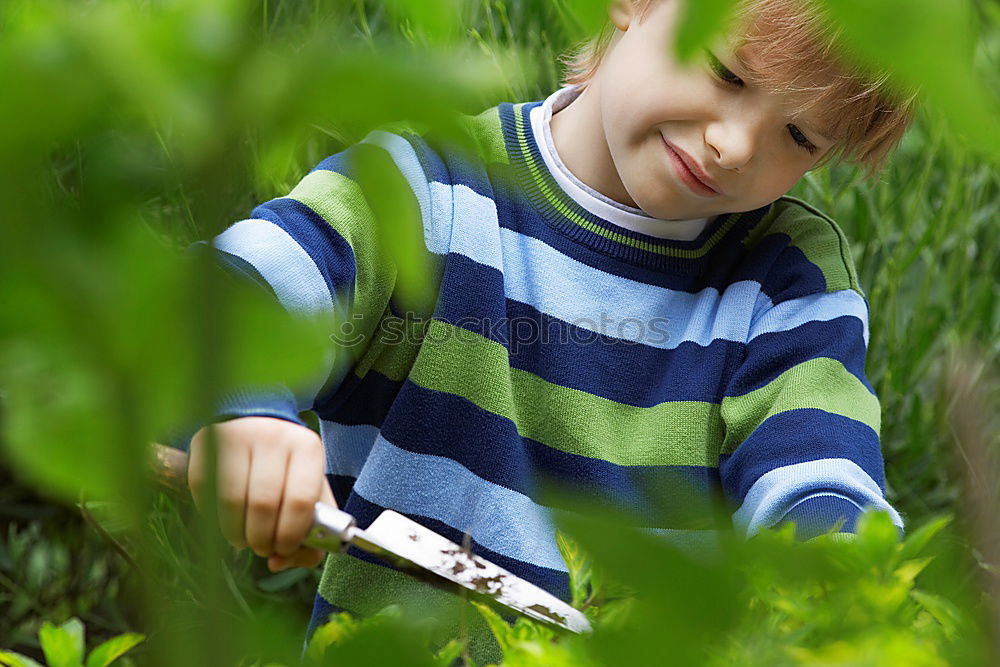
(278, 402)
(818, 513)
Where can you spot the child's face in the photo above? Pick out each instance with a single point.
(739, 136)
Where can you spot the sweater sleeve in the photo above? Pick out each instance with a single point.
(317, 252)
(802, 421)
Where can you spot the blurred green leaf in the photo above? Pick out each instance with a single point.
(63, 645)
(915, 543)
(579, 568)
(400, 226)
(930, 47)
(700, 23)
(112, 649)
(12, 659)
(282, 580)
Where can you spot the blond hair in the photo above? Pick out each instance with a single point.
(793, 49)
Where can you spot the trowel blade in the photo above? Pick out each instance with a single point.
(420, 551)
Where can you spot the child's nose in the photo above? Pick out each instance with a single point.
(733, 142)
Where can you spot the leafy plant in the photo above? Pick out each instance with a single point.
(64, 646)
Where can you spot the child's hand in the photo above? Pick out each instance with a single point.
(270, 477)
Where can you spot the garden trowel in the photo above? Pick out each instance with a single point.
(414, 549)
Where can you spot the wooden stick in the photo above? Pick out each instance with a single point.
(170, 466)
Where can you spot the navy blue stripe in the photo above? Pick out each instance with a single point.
(525, 220)
(572, 356)
(331, 252)
(726, 263)
(771, 354)
(797, 436)
(461, 299)
(367, 402)
(817, 515)
(578, 358)
(789, 273)
(553, 581)
(677, 497)
(342, 487)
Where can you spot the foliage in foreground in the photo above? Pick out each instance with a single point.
(830, 601)
(64, 646)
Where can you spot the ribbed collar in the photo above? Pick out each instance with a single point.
(566, 215)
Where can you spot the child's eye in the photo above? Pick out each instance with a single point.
(721, 71)
(801, 139)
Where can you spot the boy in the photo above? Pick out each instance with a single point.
(627, 304)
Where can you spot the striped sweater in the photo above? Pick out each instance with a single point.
(654, 374)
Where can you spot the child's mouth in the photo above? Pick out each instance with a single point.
(686, 175)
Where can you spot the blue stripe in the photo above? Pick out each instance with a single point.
(577, 293)
(320, 615)
(782, 269)
(770, 355)
(818, 513)
(798, 436)
(504, 521)
(405, 158)
(342, 487)
(779, 490)
(347, 447)
(240, 267)
(330, 251)
(813, 308)
(676, 497)
(283, 263)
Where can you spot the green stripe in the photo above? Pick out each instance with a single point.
(465, 364)
(549, 191)
(487, 132)
(394, 347)
(364, 589)
(341, 203)
(818, 237)
(819, 383)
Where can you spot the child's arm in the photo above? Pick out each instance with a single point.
(316, 251)
(802, 420)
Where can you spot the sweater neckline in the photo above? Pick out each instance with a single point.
(561, 212)
(621, 215)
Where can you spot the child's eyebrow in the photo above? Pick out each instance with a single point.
(751, 75)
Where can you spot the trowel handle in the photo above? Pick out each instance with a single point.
(331, 528)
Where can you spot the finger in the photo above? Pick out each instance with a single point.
(303, 557)
(264, 490)
(234, 481)
(302, 490)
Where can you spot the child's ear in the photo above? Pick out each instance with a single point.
(622, 13)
